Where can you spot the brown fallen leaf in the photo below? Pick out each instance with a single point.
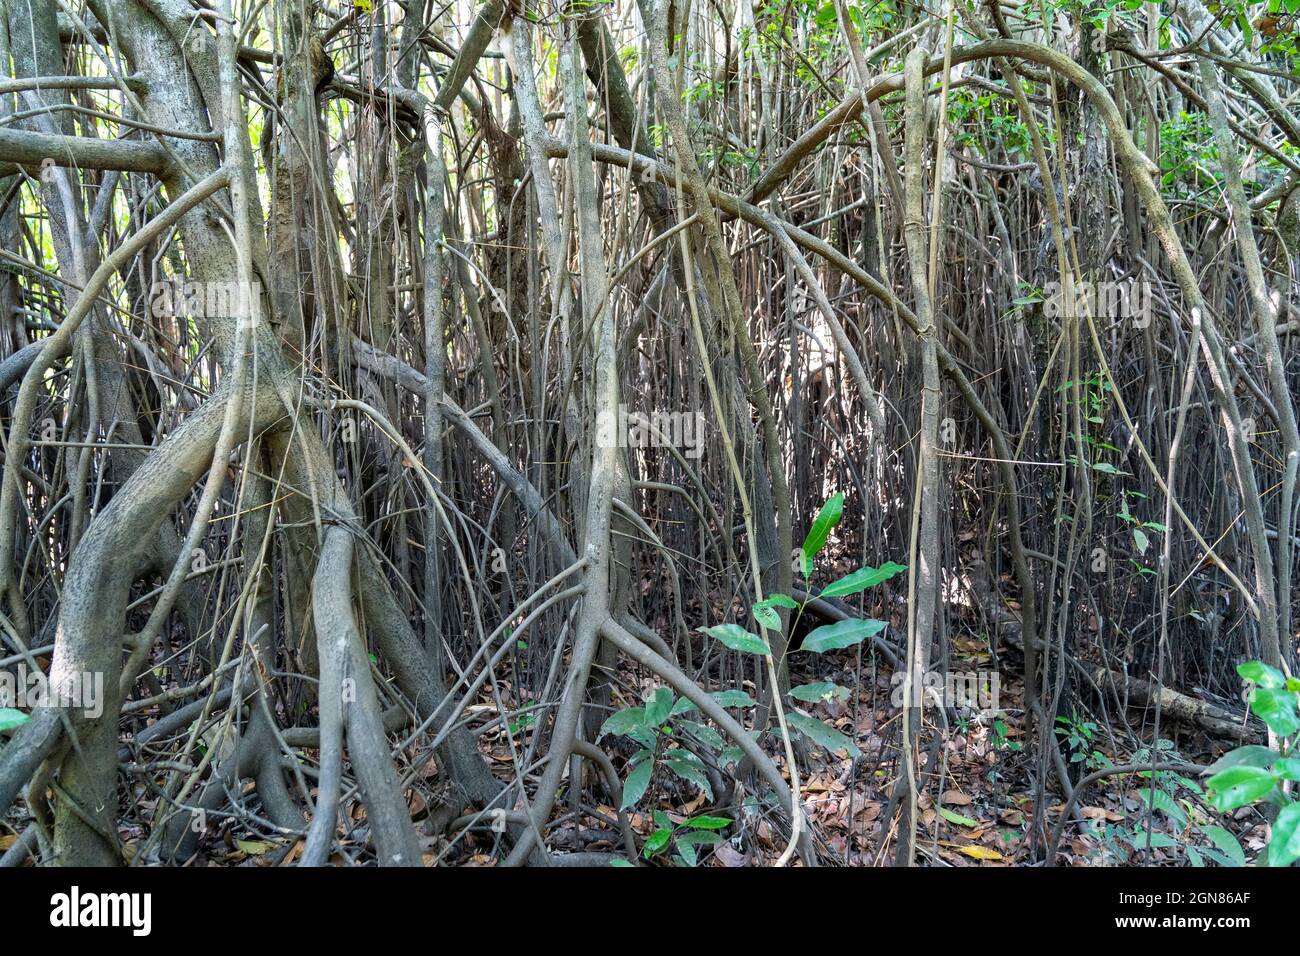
(868, 812)
(292, 856)
(955, 798)
(1101, 813)
(729, 856)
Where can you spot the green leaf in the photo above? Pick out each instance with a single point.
(734, 698)
(819, 691)
(831, 637)
(1252, 755)
(11, 719)
(687, 766)
(862, 578)
(619, 861)
(1288, 768)
(704, 734)
(638, 781)
(1284, 845)
(1277, 709)
(1227, 844)
(737, 638)
(764, 611)
(707, 823)
(820, 733)
(1140, 540)
(656, 842)
(767, 616)
(658, 706)
(683, 706)
(621, 722)
(1257, 672)
(1219, 858)
(647, 737)
(957, 818)
(827, 518)
(1239, 786)
(1157, 799)
(687, 843)
(1158, 840)
(731, 755)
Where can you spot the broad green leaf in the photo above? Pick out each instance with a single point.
(765, 613)
(11, 719)
(1193, 857)
(687, 843)
(708, 823)
(683, 706)
(638, 781)
(656, 842)
(737, 638)
(1157, 799)
(820, 733)
(658, 706)
(734, 698)
(621, 722)
(1288, 768)
(827, 518)
(731, 755)
(1220, 858)
(704, 734)
(1141, 541)
(1258, 672)
(1284, 845)
(620, 862)
(819, 691)
(687, 766)
(1277, 709)
(830, 637)
(862, 579)
(1252, 755)
(1238, 786)
(767, 616)
(1158, 840)
(1227, 844)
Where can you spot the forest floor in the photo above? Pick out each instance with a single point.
(976, 808)
(982, 776)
